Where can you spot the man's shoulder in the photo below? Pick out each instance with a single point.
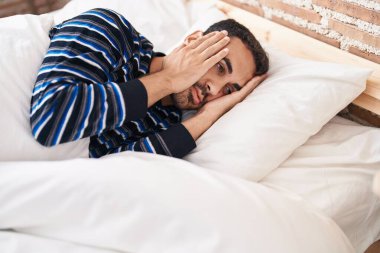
(104, 17)
(105, 13)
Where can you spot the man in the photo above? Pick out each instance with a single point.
(100, 79)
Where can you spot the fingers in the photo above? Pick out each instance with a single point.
(212, 40)
(195, 43)
(250, 86)
(259, 79)
(215, 48)
(208, 48)
(255, 81)
(210, 62)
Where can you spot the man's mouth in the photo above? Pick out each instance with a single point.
(195, 95)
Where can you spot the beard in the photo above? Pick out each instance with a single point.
(185, 101)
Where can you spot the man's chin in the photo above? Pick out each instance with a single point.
(185, 104)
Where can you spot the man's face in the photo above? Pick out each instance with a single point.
(227, 76)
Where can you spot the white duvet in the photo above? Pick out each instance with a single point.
(319, 200)
(136, 202)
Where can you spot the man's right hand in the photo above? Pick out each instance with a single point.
(186, 64)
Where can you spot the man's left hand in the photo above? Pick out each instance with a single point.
(218, 107)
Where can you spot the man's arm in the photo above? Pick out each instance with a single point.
(175, 141)
(213, 110)
(76, 94)
(178, 140)
(71, 100)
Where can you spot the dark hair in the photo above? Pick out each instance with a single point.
(236, 29)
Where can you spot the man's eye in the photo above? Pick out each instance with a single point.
(227, 90)
(220, 68)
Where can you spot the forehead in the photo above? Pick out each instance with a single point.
(241, 60)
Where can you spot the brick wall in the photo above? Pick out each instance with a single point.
(351, 25)
(13, 7)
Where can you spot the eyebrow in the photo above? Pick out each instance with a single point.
(228, 63)
(229, 67)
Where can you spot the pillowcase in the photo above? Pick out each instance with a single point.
(139, 202)
(292, 104)
(24, 42)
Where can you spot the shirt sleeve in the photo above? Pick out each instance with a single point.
(176, 141)
(78, 92)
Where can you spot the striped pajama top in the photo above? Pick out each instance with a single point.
(88, 87)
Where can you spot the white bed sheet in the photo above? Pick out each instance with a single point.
(334, 171)
(139, 202)
(13, 242)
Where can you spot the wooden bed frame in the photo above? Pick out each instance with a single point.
(300, 45)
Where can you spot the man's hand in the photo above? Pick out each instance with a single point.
(216, 108)
(188, 63)
(185, 66)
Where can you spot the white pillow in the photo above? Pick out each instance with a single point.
(139, 202)
(23, 44)
(292, 104)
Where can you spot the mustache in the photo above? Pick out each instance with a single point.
(203, 88)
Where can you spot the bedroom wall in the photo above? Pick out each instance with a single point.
(351, 25)
(13, 7)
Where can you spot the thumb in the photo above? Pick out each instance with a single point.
(258, 79)
(177, 48)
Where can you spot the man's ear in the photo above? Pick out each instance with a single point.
(193, 36)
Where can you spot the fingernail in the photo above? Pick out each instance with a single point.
(225, 32)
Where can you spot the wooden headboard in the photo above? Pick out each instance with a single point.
(300, 45)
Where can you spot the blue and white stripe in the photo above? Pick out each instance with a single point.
(80, 88)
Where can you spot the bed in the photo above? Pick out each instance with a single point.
(316, 194)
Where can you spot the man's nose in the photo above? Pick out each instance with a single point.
(214, 87)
